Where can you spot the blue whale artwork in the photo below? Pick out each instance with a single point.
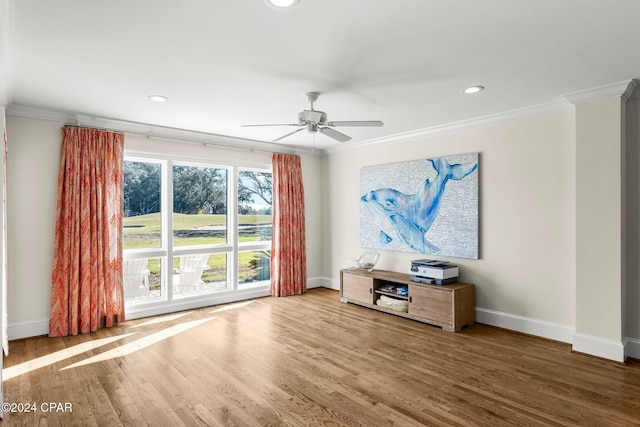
(426, 206)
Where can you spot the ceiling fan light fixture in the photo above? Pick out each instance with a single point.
(312, 116)
(473, 89)
(282, 3)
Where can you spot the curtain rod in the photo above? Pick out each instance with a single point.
(205, 143)
(71, 125)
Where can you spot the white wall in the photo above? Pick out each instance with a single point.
(600, 190)
(525, 276)
(34, 147)
(632, 296)
(32, 174)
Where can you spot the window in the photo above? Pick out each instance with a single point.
(142, 191)
(216, 239)
(199, 205)
(254, 227)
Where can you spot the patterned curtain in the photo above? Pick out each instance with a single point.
(86, 282)
(288, 251)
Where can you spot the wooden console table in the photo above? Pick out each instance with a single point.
(449, 306)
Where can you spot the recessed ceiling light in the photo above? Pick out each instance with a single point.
(473, 89)
(282, 3)
(158, 98)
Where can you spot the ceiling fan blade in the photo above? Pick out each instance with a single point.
(280, 124)
(373, 123)
(289, 134)
(334, 134)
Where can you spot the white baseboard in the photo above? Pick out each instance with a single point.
(582, 343)
(527, 325)
(323, 282)
(35, 328)
(632, 348)
(601, 347)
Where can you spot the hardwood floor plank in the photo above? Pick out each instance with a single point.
(310, 360)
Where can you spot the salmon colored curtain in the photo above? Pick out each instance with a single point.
(86, 282)
(288, 250)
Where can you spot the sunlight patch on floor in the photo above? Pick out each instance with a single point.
(232, 306)
(58, 356)
(140, 343)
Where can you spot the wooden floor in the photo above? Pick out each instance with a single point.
(311, 360)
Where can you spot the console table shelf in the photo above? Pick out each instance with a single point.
(451, 307)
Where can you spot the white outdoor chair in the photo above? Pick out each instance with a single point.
(190, 272)
(136, 277)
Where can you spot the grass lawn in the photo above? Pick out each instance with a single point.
(144, 232)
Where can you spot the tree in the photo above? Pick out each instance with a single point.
(141, 188)
(195, 189)
(252, 184)
(199, 189)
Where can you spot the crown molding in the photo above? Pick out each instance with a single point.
(633, 91)
(150, 130)
(627, 90)
(533, 111)
(623, 89)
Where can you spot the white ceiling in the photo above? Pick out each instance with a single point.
(227, 63)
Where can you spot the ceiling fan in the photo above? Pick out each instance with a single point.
(316, 121)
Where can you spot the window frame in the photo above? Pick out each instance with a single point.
(232, 248)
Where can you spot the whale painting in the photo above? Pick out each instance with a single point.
(426, 206)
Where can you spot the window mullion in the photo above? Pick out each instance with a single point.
(232, 224)
(167, 232)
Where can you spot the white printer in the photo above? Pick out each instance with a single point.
(433, 271)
